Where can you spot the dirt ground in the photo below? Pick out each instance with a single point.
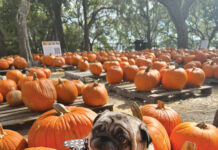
(193, 109)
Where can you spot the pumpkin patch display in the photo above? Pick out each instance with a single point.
(96, 68)
(38, 94)
(14, 97)
(205, 136)
(11, 140)
(14, 75)
(6, 85)
(66, 91)
(196, 77)
(62, 123)
(114, 75)
(146, 80)
(168, 117)
(174, 79)
(95, 94)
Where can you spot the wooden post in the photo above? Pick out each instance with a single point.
(189, 146)
(215, 121)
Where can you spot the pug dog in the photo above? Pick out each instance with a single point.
(119, 131)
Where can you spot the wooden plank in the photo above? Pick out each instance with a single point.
(15, 115)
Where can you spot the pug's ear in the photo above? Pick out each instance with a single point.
(96, 118)
(145, 137)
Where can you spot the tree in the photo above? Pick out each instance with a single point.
(92, 10)
(203, 21)
(23, 39)
(179, 11)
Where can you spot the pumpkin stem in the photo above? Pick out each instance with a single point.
(148, 68)
(60, 108)
(2, 133)
(60, 81)
(160, 104)
(96, 82)
(34, 76)
(189, 146)
(202, 125)
(136, 110)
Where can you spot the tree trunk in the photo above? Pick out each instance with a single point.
(23, 39)
(86, 28)
(58, 23)
(178, 12)
(3, 51)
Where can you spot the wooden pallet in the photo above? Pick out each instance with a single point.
(3, 72)
(211, 81)
(19, 115)
(129, 90)
(63, 68)
(85, 76)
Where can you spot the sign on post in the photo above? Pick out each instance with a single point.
(204, 43)
(51, 48)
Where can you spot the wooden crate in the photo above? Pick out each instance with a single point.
(129, 90)
(85, 76)
(19, 115)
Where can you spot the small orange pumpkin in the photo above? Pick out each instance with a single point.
(130, 72)
(196, 77)
(20, 63)
(146, 80)
(66, 91)
(4, 64)
(6, 85)
(96, 68)
(83, 65)
(80, 86)
(14, 75)
(114, 75)
(95, 94)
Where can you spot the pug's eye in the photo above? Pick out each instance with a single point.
(123, 140)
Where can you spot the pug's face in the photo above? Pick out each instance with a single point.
(119, 131)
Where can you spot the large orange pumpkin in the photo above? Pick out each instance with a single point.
(1, 98)
(143, 62)
(209, 69)
(96, 68)
(174, 79)
(80, 86)
(4, 64)
(205, 136)
(14, 75)
(75, 59)
(39, 148)
(146, 80)
(47, 72)
(6, 85)
(130, 72)
(66, 91)
(95, 94)
(166, 115)
(196, 77)
(158, 133)
(20, 62)
(11, 140)
(48, 60)
(54, 127)
(114, 75)
(39, 94)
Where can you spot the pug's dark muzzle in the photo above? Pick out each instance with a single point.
(104, 143)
